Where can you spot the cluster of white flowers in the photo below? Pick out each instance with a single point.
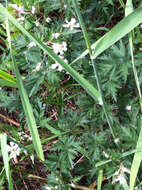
(59, 48)
(24, 136)
(72, 24)
(20, 10)
(13, 149)
(119, 175)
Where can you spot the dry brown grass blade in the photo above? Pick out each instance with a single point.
(10, 120)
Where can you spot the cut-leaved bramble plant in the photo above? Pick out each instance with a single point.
(70, 95)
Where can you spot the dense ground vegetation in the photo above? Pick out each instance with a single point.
(89, 131)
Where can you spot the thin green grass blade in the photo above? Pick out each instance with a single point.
(122, 3)
(3, 140)
(100, 179)
(26, 104)
(137, 156)
(4, 82)
(7, 77)
(82, 81)
(2, 177)
(76, 7)
(136, 161)
(116, 33)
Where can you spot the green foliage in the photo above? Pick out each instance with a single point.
(76, 138)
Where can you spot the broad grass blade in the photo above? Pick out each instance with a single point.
(7, 77)
(4, 82)
(2, 177)
(100, 179)
(26, 104)
(138, 155)
(82, 81)
(116, 33)
(3, 140)
(136, 161)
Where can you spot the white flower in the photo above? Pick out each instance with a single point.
(13, 149)
(48, 19)
(116, 140)
(19, 9)
(37, 67)
(128, 108)
(33, 10)
(25, 152)
(21, 134)
(0, 88)
(72, 24)
(31, 44)
(100, 101)
(119, 175)
(65, 6)
(59, 48)
(121, 179)
(37, 23)
(105, 154)
(24, 136)
(21, 20)
(55, 35)
(32, 158)
(57, 66)
(48, 188)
